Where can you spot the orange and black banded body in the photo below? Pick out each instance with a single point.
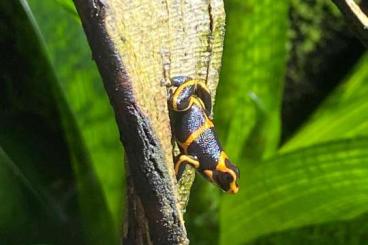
(190, 109)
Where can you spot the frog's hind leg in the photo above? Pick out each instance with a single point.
(180, 162)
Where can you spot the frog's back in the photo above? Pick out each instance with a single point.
(185, 123)
(196, 135)
(207, 149)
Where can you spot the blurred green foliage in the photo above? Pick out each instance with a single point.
(61, 172)
(57, 126)
(71, 58)
(252, 74)
(344, 114)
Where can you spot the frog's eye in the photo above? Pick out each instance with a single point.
(227, 178)
(223, 180)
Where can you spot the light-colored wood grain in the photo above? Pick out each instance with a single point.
(146, 42)
(172, 37)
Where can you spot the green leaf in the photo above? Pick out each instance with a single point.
(28, 206)
(249, 95)
(13, 213)
(322, 183)
(344, 232)
(343, 114)
(70, 56)
(39, 133)
(34, 160)
(202, 221)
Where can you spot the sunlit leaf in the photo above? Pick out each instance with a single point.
(345, 232)
(249, 94)
(323, 183)
(71, 59)
(343, 114)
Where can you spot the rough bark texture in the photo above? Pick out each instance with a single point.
(138, 46)
(356, 17)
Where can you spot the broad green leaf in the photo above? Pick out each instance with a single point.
(344, 232)
(248, 98)
(202, 216)
(37, 186)
(247, 109)
(27, 214)
(249, 93)
(35, 124)
(322, 183)
(13, 213)
(80, 82)
(36, 179)
(320, 43)
(343, 114)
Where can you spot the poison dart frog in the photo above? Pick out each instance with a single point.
(190, 109)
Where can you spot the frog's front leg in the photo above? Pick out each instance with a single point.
(180, 162)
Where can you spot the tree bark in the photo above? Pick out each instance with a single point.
(138, 46)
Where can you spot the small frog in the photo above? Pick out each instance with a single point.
(190, 112)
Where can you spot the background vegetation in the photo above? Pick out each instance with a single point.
(291, 111)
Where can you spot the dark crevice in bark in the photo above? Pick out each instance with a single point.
(136, 226)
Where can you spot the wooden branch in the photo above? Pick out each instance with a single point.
(356, 17)
(138, 45)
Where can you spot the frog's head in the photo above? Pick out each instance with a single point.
(225, 175)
